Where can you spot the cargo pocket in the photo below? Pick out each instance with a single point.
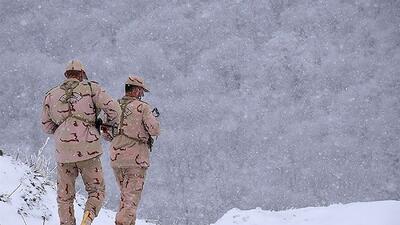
(142, 159)
(139, 183)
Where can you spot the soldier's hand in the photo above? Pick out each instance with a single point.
(155, 112)
(105, 134)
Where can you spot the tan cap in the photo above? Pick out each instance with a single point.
(137, 81)
(75, 65)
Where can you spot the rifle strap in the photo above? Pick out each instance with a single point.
(69, 90)
(91, 96)
(123, 105)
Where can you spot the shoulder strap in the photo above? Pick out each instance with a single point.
(68, 93)
(123, 106)
(91, 96)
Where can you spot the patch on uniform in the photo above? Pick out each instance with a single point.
(71, 98)
(127, 112)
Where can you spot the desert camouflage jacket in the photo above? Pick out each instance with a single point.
(137, 124)
(69, 112)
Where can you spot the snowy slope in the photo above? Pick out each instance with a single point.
(365, 213)
(28, 198)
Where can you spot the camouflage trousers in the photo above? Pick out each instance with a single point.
(130, 181)
(92, 176)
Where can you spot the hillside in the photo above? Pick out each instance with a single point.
(27, 197)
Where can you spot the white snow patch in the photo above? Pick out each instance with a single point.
(360, 213)
(26, 197)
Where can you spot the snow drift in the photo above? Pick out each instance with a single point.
(360, 213)
(28, 197)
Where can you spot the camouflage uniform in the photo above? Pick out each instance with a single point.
(69, 112)
(130, 153)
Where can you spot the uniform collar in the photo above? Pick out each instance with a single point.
(129, 98)
(71, 79)
(69, 83)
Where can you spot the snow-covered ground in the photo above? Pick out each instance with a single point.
(360, 213)
(26, 197)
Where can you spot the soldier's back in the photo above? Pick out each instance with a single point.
(72, 108)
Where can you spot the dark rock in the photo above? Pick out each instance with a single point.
(1, 152)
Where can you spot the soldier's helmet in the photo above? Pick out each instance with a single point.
(137, 81)
(75, 65)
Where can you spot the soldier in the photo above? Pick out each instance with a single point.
(69, 112)
(129, 150)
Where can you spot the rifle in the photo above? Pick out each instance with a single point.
(99, 123)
